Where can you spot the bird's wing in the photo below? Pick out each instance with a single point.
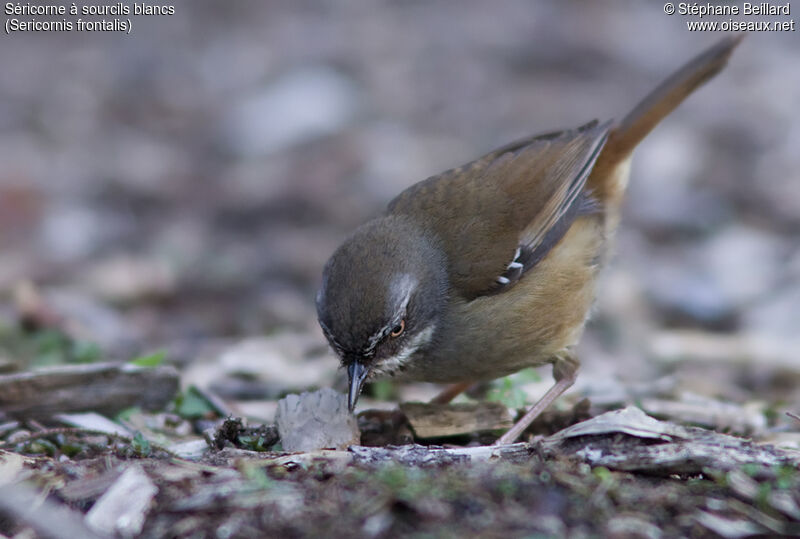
(499, 215)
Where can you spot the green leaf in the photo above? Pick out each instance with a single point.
(70, 449)
(151, 360)
(192, 405)
(140, 445)
(603, 474)
(253, 443)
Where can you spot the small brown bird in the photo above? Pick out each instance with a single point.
(490, 268)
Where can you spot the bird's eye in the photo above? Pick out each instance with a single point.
(398, 329)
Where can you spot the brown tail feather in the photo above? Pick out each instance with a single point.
(651, 110)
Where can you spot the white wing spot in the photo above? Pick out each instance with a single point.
(515, 263)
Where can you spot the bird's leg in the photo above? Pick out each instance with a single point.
(565, 370)
(450, 392)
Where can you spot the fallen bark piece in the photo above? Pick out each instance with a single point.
(105, 388)
(124, 506)
(669, 448)
(407, 455)
(431, 456)
(316, 420)
(626, 440)
(429, 420)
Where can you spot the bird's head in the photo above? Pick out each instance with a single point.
(382, 294)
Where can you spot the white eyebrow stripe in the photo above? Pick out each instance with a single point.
(515, 265)
(401, 288)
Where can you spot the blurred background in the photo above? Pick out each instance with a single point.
(181, 187)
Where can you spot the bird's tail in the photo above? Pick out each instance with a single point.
(609, 176)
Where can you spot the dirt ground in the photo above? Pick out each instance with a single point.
(169, 197)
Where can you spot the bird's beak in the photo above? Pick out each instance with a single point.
(357, 374)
